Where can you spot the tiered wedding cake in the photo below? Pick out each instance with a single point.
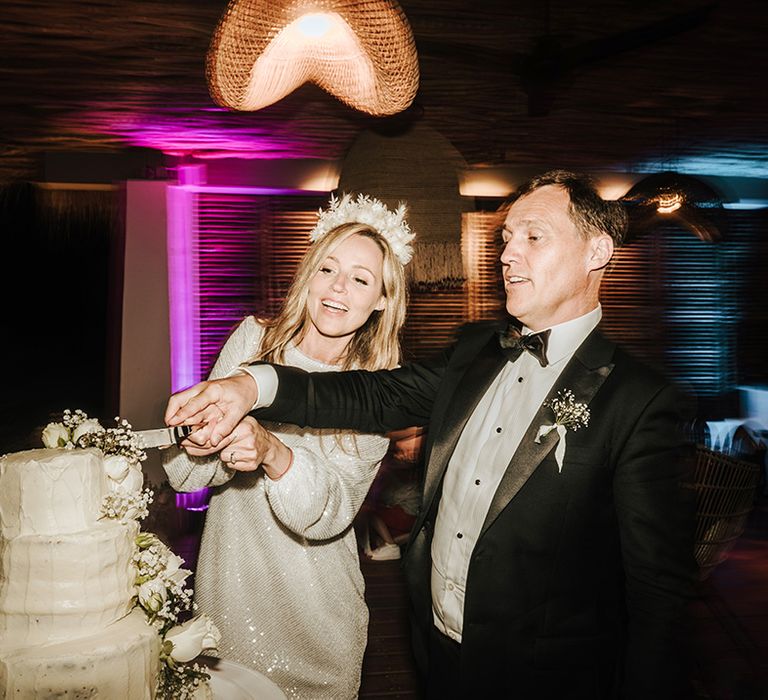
(67, 584)
(74, 621)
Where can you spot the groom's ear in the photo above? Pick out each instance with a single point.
(601, 251)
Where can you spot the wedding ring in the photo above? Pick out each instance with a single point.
(232, 458)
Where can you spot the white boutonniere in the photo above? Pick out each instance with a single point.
(569, 415)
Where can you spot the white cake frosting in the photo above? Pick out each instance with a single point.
(119, 662)
(50, 492)
(67, 583)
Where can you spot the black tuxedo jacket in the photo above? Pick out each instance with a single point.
(578, 583)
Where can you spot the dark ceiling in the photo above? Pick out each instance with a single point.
(594, 84)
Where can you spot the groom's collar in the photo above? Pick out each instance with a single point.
(565, 338)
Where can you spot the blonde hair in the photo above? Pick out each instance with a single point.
(376, 344)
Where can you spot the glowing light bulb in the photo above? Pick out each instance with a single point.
(314, 25)
(667, 203)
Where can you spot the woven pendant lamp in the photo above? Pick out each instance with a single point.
(419, 166)
(360, 51)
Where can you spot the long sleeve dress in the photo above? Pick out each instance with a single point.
(278, 569)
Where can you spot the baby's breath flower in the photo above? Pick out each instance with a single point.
(568, 412)
(88, 432)
(569, 415)
(120, 505)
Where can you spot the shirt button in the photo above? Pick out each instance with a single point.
(519, 379)
(477, 482)
(449, 586)
(498, 430)
(459, 535)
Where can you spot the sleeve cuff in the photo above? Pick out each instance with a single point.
(266, 381)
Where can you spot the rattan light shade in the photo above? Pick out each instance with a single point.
(360, 51)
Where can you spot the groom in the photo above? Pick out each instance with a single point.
(553, 553)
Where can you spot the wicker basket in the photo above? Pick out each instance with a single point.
(726, 488)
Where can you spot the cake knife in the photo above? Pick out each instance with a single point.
(162, 437)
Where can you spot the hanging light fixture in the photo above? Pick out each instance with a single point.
(688, 200)
(360, 51)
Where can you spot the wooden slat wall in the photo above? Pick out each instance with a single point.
(434, 315)
(228, 267)
(481, 249)
(285, 242)
(749, 229)
(677, 302)
(669, 298)
(249, 247)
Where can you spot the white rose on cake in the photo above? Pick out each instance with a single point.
(116, 468)
(123, 476)
(173, 570)
(55, 435)
(192, 638)
(152, 595)
(133, 481)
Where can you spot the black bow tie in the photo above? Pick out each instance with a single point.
(513, 342)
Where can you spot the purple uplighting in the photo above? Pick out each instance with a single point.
(210, 133)
(197, 500)
(182, 285)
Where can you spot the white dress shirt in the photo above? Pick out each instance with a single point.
(487, 443)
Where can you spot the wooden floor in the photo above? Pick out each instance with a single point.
(728, 636)
(388, 668)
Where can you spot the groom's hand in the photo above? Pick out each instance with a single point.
(217, 405)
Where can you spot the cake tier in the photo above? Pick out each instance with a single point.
(50, 492)
(120, 662)
(66, 586)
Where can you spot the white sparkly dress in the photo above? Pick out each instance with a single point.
(278, 569)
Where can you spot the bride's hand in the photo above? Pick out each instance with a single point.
(250, 446)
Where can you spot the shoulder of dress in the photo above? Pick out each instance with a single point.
(251, 327)
(252, 323)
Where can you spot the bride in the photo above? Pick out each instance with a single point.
(278, 569)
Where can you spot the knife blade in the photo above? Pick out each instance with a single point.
(162, 437)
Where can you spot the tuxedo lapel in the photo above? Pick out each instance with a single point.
(469, 390)
(583, 375)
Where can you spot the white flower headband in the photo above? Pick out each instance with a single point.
(368, 210)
